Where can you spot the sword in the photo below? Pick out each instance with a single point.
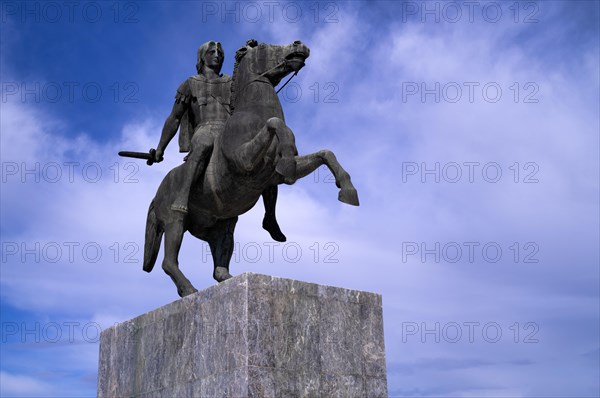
(140, 155)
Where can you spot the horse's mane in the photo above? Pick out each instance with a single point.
(239, 54)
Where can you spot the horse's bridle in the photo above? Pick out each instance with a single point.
(282, 63)
(262, 75)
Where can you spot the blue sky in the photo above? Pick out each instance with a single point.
(470, 133)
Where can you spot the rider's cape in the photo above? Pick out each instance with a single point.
(197, 91)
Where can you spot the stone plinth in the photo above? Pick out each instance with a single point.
(250, 336)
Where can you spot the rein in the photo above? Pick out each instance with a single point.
(291, 77)
(275, 67)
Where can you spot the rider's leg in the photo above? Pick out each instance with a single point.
(202, 145)
(270, 221)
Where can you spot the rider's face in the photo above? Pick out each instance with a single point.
(213, 58)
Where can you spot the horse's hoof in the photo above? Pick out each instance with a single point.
(187, 291)
(349, 196)
(221, 274)
(272, 227)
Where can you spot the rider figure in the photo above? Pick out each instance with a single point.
(202, 106)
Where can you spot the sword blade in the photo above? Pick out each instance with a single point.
(148, 156)
(136, 155)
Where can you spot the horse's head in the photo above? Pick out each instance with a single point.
(271, 61)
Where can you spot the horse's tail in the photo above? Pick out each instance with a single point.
(153, 237)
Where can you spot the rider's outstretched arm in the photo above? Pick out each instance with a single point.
(170, 128)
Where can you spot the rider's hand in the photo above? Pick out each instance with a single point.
(159, 155)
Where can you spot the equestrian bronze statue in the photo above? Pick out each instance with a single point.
(252, 153)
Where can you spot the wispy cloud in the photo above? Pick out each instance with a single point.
(395, 142)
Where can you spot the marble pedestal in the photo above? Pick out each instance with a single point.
(250, 336)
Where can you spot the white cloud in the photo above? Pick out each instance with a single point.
(14, 385)
(373, 131)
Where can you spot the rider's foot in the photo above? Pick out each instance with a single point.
(221, 274)
(180, 208)
(272, 227)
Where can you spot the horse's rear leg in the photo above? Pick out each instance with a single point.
(173, 236)
(220, 240)
(309, 163)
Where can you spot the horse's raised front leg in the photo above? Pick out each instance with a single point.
(220, 240)
(309, 163)
(286, 149)
(250, 154)
(173, 236)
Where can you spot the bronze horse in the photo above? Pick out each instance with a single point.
(256, 150)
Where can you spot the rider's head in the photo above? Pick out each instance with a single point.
(211, 55)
